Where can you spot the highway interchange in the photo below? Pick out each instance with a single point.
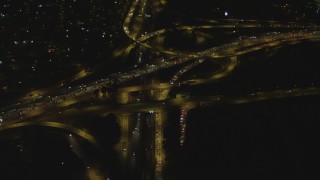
(46, 107)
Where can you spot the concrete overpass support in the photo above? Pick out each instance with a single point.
(163, 94)
(123, 97)
(123, 144)
(160, 117)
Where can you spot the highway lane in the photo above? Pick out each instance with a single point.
(69, 113)
(134, 12)
(232, 49)
(159, 105)
(92, 167)
(228, 65)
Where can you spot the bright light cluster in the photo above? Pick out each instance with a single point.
(183, 117)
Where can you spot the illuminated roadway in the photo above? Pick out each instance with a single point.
(51, 104)
(69, 95)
